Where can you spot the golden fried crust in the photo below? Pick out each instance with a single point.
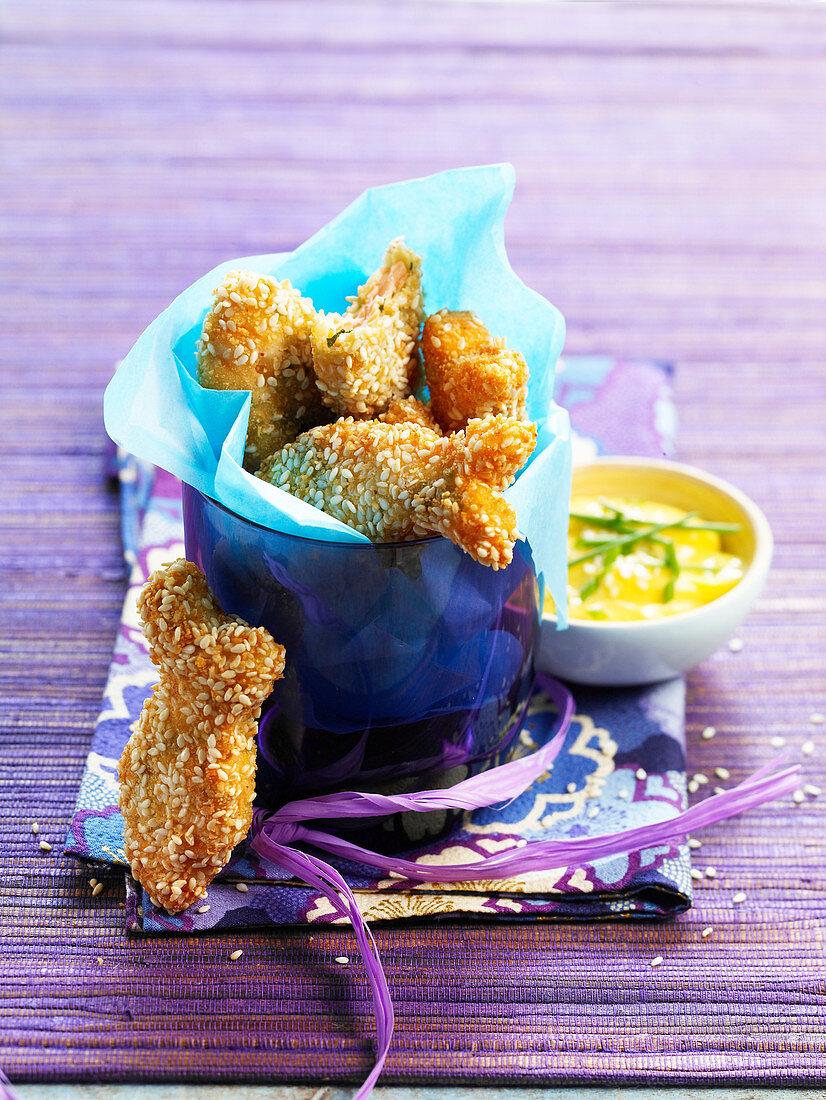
(409, 410)
(366, 357)
(401, 481)
(256, 337)
(470, 373)
(187, 773)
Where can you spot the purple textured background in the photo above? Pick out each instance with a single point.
(670, 202)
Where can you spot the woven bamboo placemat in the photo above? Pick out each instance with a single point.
(669, 202)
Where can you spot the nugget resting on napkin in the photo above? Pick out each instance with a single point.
(366, 357)
(256, 337)
(395, 482)
(187, 773)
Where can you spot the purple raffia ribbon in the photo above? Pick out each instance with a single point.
(273, 835)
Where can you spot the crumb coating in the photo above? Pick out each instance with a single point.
(410, 410)
(256, 337)
(395, 482)
(366, 357)
(187, 773)
(470, 373)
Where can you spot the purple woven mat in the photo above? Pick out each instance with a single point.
(669, 202)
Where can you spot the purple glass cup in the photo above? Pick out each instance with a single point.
(405, 661)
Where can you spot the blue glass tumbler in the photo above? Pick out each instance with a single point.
(405, 661)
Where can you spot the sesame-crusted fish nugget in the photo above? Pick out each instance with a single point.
(366, 357)
(395, 482)
(469, 372)
(256, 337)
(187, 773)
(410, 410)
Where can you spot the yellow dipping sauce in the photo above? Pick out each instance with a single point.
(640, 584)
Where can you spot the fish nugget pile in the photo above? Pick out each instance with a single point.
(187, 773)
(397, 424)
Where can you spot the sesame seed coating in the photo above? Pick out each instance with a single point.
(395, 482)
(256, 337)
(187, 773)
(470, 373)
(367, 356)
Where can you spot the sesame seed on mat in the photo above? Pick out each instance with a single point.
(693, 842)
(35, 828)
(736, 644)
(343, 959)
(696, 874)
(711, 872)
(777, 742)
(98, 889)
(708, 733)
(236, 954)
(241, 887)
(722, 773)
(203, 909)
(816, 718)
(807, 748)
(706, 932)
(798, 797)
(658, 961)
(812, 790)
(738, 898)
(45, 846)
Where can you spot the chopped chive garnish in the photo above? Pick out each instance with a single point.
(668, 591)
(630, 540)
(332, 339)
(614, 523)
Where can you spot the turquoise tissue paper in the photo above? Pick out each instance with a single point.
(155, 408)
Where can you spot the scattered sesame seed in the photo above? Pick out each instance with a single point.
(241, 887)
(693, 786)
(641, 773)
(343, 959)
(708, 733)
(798, 797)
(812, 789)
(816, 718)
(622, 793)
(719, 790)
(738, 898)
(711, 872)
(706, 932)
(736, 644)
(593, 811)
(35, 828)
(722, 773)
(696, 874)
(807, 748)
(777, 742)
(693, 842)
(93, 882)
(571, 788)
(236, 954)
(45, 846)
(97, 890)
(658, 961)
(203, 909)
(698, 777)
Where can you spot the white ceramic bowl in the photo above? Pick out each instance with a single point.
(642, 652)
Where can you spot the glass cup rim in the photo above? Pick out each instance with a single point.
(336, 543)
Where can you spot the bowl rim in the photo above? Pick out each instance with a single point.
(760, 560)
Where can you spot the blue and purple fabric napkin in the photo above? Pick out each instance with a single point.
(623, 763)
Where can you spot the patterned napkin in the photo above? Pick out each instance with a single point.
(623, 763)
